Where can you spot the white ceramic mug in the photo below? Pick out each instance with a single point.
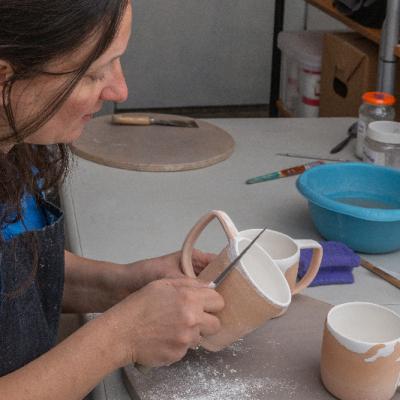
(285, 251)
(360, 356)
(254, 291)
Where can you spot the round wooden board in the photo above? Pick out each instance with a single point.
(153, 148)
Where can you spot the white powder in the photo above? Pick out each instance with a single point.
(208, 377)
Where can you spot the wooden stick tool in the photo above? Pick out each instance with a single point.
(383, 274)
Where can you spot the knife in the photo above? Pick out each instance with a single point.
(221, 277)
(146, 120)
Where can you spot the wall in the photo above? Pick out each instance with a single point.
(206, 53)
(195, 53)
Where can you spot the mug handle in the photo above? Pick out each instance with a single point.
(187, 248)
(314, 264)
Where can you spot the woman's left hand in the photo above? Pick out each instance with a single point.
(168, 266)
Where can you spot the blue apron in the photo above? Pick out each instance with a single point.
(31, 292)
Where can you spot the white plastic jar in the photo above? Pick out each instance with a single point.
(382, 144)
(377, 106)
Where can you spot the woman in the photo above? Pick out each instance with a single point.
(59, 61)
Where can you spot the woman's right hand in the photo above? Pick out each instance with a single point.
(159, 323)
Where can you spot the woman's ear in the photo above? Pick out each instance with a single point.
(6, 71)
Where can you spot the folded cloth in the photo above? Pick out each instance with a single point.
(336, 267)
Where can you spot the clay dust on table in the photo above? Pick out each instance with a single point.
(208, 376)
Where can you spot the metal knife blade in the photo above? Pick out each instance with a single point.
(220, 278)
(178, 123)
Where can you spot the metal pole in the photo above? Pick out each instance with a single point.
(276, 57)
(389, 40)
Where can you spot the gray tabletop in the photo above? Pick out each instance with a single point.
(123, 216)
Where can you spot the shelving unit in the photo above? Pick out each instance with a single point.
(370, 33)
(375, 35)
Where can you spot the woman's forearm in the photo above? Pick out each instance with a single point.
(89, 284)
(95, 286)
(71, 369)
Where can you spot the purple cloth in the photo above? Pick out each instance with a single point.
(336, 267)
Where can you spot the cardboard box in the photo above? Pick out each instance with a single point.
(349, 69)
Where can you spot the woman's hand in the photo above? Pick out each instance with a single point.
(139, 274)
(157, 325)
(169, 266)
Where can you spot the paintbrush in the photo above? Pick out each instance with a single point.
(298, 169)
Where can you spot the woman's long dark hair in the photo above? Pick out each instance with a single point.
(32, 34)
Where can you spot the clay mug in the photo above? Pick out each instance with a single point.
(254, 292)
(285, 251)
(360, 357)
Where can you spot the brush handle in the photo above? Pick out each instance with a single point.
(187, 248)
(296, 170)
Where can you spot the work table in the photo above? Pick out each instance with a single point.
(122, 215)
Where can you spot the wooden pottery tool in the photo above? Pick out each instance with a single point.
(383, 274)
(144, 120)
(361, 352)
(254, 292)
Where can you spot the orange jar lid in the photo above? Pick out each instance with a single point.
(379, 98)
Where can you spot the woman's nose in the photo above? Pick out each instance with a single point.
(116, 90)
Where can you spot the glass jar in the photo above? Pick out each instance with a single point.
(377, 106)
(382, 144)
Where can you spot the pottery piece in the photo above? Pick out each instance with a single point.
(360, 357)
(254, 292)
(285, 251)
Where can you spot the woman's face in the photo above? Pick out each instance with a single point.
(104, 81)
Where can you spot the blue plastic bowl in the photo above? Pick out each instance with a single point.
(355, 203)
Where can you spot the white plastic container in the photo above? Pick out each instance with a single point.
(382, 144)
(301, 71)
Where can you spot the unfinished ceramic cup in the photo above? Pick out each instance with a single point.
(254, 292)
(360, 358)
(285, 251)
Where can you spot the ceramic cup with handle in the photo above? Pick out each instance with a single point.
(254, 292)
(285, 251)
(360, 356)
